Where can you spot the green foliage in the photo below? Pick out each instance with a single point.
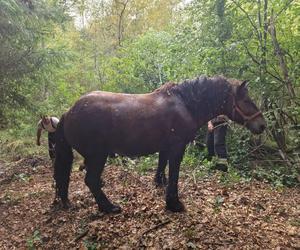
(142, 164)
(25, 58)
(34, 240)
(23, 177)
(11, 198)
(194, 157)
(90, 245)
(21, 142)
(219, 200)
(278, 175)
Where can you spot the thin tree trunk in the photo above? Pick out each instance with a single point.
(277, 131)
(120, 22)
(280, 55)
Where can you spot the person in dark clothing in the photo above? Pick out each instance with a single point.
(48, 124)
(216, 141)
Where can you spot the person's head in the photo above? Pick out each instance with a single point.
(45, 119)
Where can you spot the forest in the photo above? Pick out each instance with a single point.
(54, 51)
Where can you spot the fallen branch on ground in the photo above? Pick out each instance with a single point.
(80, 236)
(152, 229)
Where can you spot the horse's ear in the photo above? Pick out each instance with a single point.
(244, 84)
(242, 89)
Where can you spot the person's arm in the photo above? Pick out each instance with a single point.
(38, 134)
(210, 126)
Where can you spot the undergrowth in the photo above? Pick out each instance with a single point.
(243, 166)
(15, 145)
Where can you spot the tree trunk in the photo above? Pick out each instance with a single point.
(280, 55)
(120, 22)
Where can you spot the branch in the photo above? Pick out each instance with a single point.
(252, 151)
(284, 157)
(280, 55)
(120, 20)
(283, 9)
(258, 63)
(248, 17)
(153, 228)
(80, 236)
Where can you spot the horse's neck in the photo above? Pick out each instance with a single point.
(210, 101)
(215, 99)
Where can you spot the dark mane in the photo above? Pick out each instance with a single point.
(209, 92)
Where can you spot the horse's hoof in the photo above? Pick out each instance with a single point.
(175, 207)
(114, 209)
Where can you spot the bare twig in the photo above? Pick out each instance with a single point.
(272, 161)
(284, 157)
(80, 236)
(284, 8)
(258, 63)
(152, 229)
(248, 17)
(252, 151)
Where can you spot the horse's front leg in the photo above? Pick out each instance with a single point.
(94, 168)
(160, 179)
(172, 201)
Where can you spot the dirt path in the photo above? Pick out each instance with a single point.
(243, 216)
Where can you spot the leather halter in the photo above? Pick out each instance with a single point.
(246, 118)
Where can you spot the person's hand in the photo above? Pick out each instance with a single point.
(210, 126)
(38, 143)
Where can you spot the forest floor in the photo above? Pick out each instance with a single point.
(249, 215)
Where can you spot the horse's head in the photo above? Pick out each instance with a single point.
(243, 110)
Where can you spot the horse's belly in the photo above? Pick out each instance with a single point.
(135, 153)
(138, 146)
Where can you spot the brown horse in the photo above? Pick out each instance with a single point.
(163, 121)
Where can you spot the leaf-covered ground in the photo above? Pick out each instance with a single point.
(249, 215)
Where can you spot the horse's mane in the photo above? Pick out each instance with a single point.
(201, 94)
(191, 83)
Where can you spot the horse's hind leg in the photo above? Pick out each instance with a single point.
(94, 168)
(160, 179)
(172, 200)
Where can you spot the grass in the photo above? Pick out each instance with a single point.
(90, 245)
(11, 199)
(15, 146)
(34, 240)
(23, 177)
(141, 164)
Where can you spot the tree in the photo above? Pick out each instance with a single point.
(24, 28)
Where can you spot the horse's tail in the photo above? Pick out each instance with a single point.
(63, 163)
